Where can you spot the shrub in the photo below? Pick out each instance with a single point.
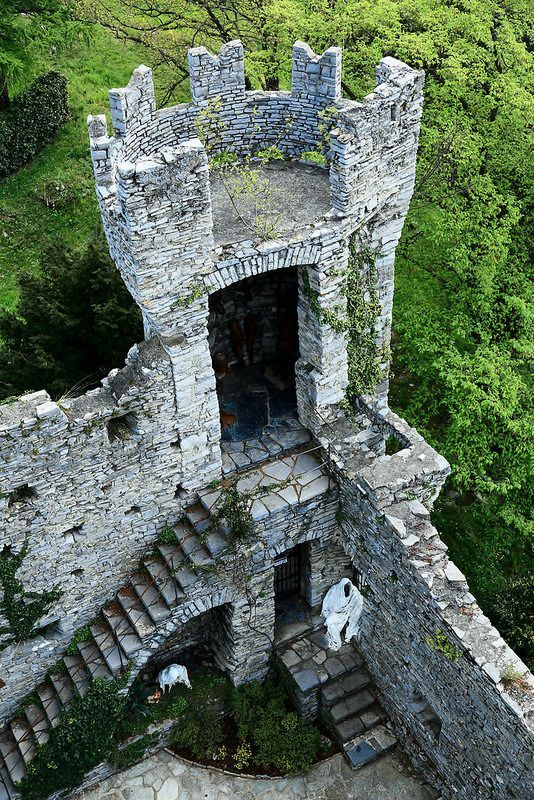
(200, 729)
(282, 740)
(84, 736)
(31, 121)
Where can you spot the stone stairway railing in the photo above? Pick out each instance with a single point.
(166, 578)
(335, 688)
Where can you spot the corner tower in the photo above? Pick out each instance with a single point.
(168, 235)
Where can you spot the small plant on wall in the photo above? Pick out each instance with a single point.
(20, 608)
(249, 190)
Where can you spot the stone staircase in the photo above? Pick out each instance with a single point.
(140, 606)
(335, 688)
(164, 579)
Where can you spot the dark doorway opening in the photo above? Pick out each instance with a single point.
(288, 575)
(253, 334)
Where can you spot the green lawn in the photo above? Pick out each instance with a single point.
(27, 224)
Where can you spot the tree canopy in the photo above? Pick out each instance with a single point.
(75, 322)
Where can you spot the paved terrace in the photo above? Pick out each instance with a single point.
(166, 777)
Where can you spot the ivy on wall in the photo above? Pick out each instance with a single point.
(21, 609)
(365, 356)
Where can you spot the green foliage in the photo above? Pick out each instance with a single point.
(233, 514)
(74, 322)
(200, 729)
(81, 635)
(358, 319)
(314, 157)
(366, 358)
(167, 536)
(127, 756)
(84, 737)
(31, 121)
(21, 609)
(441, 644)
(29, 30)
(280, 738)
(136, 705)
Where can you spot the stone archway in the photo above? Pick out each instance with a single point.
(238, 637)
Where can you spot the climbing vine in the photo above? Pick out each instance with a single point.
(20, 608)
(249, 190)
(318, 155)
(358, 319)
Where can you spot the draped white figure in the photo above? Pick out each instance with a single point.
(342, 605)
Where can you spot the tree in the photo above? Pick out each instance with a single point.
(75, 321)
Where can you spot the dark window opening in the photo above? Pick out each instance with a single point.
(134, 510)
(121, 429)
(20, 495)
(77, 573)
(288, 574)
(359, 581)
(424, 713)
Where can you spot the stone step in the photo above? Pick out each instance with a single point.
(63, 687)
(94, 660)
(23, 735)
(11, 755)
(78, 672)
(199, 515)
(124, 631)
(215, 543)
(359, 723)
(51, 702)
(7, 789)
(135, 612)
(38, 721)
(343, 686)
(171, 554)
(369, 746)
(352, 705)
(149, 596)
(186, 578)
(111, 651)
(164, 580)
(195, 551)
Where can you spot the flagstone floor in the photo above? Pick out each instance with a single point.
(165, 777)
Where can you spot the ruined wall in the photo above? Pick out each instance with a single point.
(435, 658)
(103, 470)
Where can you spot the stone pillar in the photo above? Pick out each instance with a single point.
(322, 372)
(243, 636)
(324, 563)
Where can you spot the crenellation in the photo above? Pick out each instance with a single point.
(217, 76)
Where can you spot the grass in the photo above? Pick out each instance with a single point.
(27, 224)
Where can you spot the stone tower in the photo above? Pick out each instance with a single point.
(153, 187)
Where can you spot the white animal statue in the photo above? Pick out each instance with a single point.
(342, 605)
(174, 673)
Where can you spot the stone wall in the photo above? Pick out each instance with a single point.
(450, 705)
(102, 471)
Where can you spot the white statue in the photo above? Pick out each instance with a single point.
(342, 605)
(174, 673)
